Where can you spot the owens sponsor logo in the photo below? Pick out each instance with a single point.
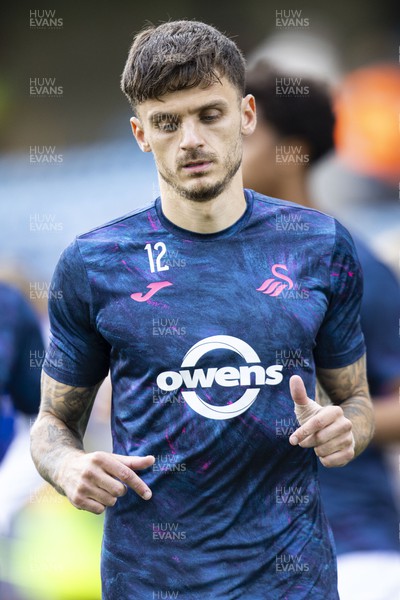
(248, 375)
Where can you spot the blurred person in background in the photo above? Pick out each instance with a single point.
(292, 134)
(359, 184)
(38, 528)
(21, 356)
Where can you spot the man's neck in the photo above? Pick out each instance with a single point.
(208, 216)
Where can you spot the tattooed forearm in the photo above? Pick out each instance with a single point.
(341, 384)
(348, 388)
(72, 405)
(60, 426)
(55, 434)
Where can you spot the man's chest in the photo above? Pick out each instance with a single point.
(157, 299)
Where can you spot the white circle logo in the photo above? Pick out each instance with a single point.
(225, 376)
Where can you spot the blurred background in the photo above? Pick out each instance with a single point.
(69, 163)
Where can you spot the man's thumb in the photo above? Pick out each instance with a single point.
(304, 407)
(298, 390)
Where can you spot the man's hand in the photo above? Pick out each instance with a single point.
(325, 429)
(91, 481)
(96, 480)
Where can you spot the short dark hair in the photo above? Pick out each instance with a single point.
(310, 116)
(177, 55)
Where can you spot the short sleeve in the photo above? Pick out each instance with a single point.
(77, 354)
(340, 341)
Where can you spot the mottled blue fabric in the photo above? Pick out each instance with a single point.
(359, 498)
(200, 355)
(21, 357)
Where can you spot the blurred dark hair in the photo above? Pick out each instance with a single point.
(308, 116)
(178, 55)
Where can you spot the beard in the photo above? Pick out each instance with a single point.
(204, 192)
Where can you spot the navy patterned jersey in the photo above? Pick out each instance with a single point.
(201, 333)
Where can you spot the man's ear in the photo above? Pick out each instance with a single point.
(249, 115)
(138, 132)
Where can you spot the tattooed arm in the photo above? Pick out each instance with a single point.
(341, 429)
(348, 388)
(91, 481)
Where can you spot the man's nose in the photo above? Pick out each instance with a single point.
(190, 136)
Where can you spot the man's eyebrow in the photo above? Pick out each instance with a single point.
(161, 116)
(213, 104)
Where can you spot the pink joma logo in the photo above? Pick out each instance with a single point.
(153, 289)
(274, 287)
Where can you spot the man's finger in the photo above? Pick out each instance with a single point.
(88, 496)
(111, 485)
(338, 459)
(319, 421)
(121, 467)
(328, 434)
(101, 496)
(130, 478)
(298, 390)
(91, 506)
(136, 484)
(304, 407)
(340, 443)
(136, 462)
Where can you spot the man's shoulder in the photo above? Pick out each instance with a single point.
(99, 243)
(278, 205)
(290, 217)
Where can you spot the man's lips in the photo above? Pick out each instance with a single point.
(197, 166)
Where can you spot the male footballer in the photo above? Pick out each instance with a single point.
(214, 430)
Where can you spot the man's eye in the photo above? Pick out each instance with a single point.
(210, 118)
(167, 126)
